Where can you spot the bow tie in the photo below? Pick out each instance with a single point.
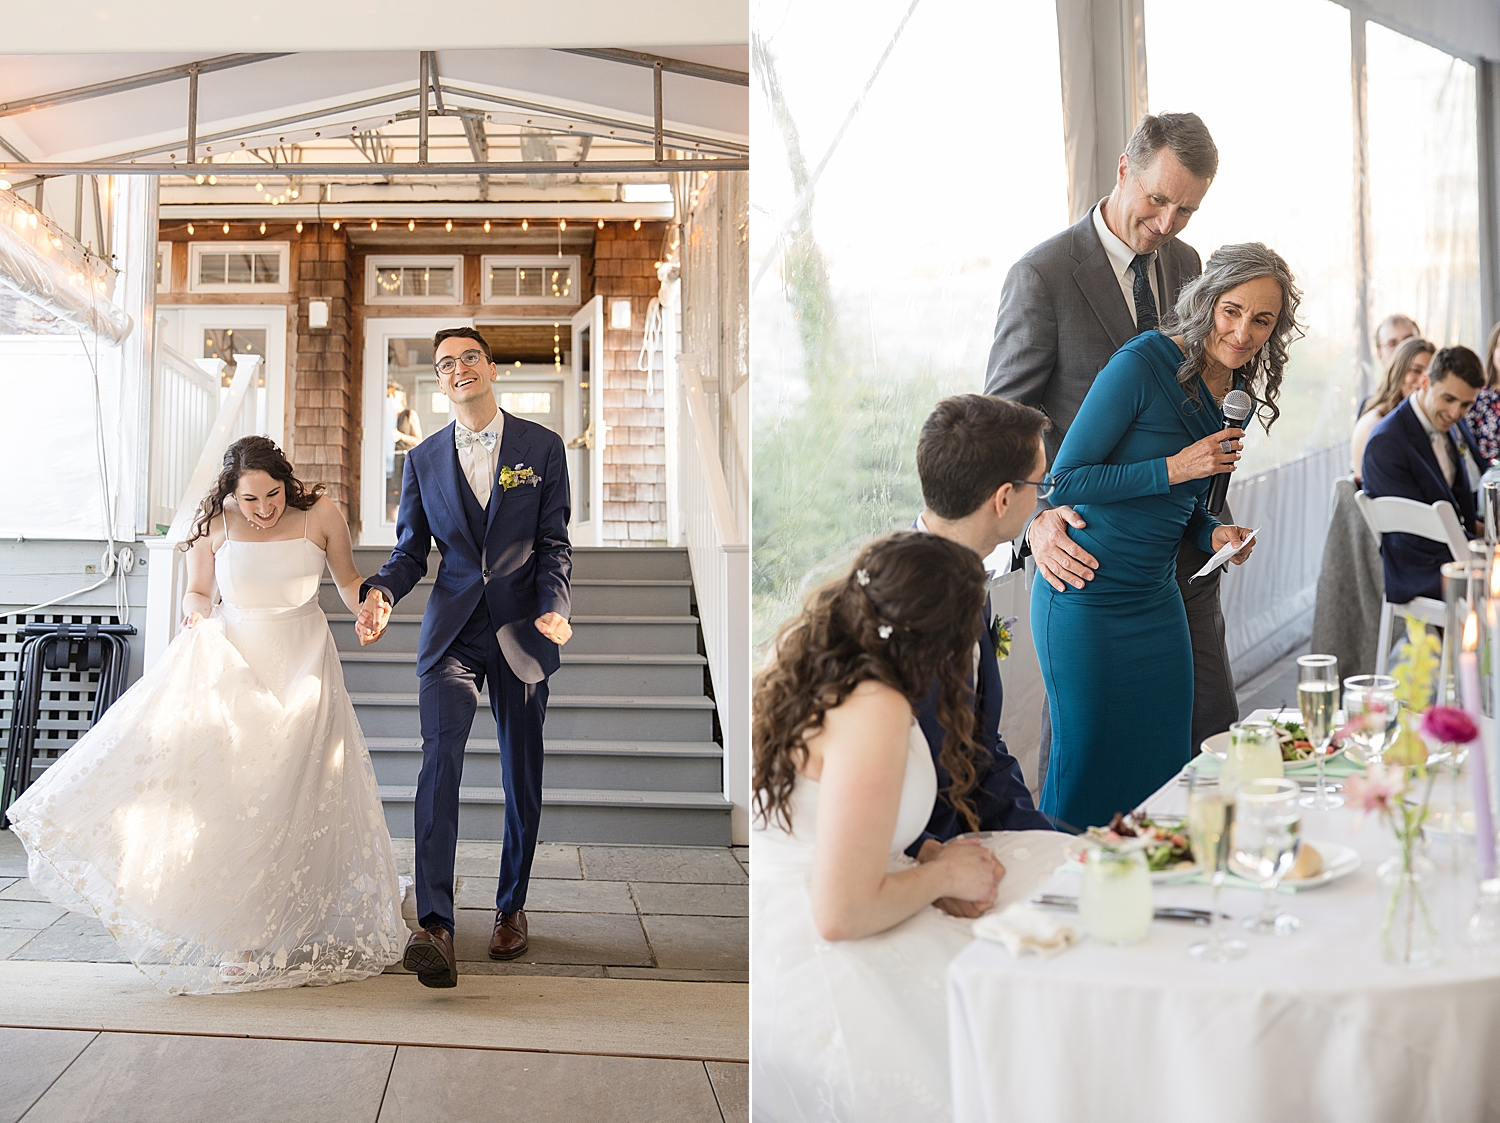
(463, 438)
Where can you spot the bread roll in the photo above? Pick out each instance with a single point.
(1309, 863)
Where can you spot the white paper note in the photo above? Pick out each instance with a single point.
(1227, 551)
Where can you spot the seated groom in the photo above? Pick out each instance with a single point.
(1413, 454)
(980, 459)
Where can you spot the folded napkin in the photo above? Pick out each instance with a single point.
(1021, 929)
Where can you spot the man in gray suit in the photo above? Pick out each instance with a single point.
(1073, 301)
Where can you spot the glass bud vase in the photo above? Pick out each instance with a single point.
(1408, 931)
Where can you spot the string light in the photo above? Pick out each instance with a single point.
(335, 224)
(260, 187)
(601, 224)
(262, 227)
(374, 225)
(213, 179)
(226, 228)
(448, 226)
(295, 193)
(411, 224)
(299, 226)
(198, 178)
(190, 229)
(486, 226)
(637, 224)
(525, 225)
(4, 185)
(562, 224)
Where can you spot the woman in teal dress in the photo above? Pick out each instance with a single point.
(1136, 464)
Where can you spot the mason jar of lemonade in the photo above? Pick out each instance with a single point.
(1254, 754)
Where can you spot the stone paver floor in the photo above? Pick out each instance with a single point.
(655, 912)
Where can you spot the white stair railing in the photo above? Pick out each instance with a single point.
(236, 417)
(720, 560)
(185, 400)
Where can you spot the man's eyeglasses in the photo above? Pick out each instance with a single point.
(470, 358)
(1044, 486)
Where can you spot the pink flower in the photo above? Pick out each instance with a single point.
(1448, 725)
(1377, 790)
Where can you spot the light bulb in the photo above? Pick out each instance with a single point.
(262, 227)
(213, 179)
(299, 226)
(260, 187)
(276, 201)
(448, 226)
(295, 193)
(31, 220)
(56, 241)
(198, 178)
(335, 224)
(268, 196)
(226, 228)
(190, 228)
(374, 225)
(4, 185)
(411, 224)
(637, 224)
(518, 362)
(562, 224)
(525, 225)
(486, 226)
(601, 224)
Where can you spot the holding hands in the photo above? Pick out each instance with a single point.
(374, 615)
(1211, 456)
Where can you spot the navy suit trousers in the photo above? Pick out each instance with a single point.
(449, 694)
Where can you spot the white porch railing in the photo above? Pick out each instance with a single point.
(720, 558)
(237, 416)
(185, 400)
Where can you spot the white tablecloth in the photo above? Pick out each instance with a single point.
(1312, 1026)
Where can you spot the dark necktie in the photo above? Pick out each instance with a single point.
(1145, 303)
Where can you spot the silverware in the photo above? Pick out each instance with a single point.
(1192, 916)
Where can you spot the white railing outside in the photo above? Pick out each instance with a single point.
(238, 415)
(185, 400)
(720, 558)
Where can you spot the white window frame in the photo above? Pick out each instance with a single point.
(543, 260)
(164, 255)
(374, 264)
(197, 249)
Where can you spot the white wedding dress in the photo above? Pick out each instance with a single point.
(222, 819)
(853, 1030)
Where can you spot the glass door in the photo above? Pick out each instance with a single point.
(402, 407)
(586, 447)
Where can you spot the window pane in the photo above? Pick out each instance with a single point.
(880, 297)
(267, 269)
(529, 281)
(1424, 188)
(435, 281)
(1307, 217)
(526, 401)
(503, 281)
(559, 283)
(240, 271)
(211, 269)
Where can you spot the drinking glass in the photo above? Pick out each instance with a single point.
(1371, 698)
(1318, 699)
(1210, 825)
(1115, 898)
(1267, 838)
(1254, 754)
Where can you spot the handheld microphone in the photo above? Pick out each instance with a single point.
(1237, 407)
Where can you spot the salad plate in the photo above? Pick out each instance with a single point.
(1164, 840)
(1296, 750)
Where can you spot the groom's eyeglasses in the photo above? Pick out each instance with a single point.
(470, 358)
(1043, 486)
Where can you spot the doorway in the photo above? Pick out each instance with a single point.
(207, 331)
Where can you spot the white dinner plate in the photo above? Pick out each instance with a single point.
(1158, 877)
(1338, 861)
(1218, 746)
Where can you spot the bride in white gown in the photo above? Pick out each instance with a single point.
(223, 819)
(848, 1018)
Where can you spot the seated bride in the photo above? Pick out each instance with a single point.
(848, 958)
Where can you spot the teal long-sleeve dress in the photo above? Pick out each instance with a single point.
(1115, 655)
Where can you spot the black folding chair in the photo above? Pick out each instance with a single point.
(100, 648)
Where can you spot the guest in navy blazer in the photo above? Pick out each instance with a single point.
(492, 490)
(980, 460)
(1413, 454)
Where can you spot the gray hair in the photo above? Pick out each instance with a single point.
(1229, 267)
(1394, 320)
(1184, 134)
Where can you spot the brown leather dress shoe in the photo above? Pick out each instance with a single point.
(509, 939)
(429, 954)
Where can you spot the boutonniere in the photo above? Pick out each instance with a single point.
(1000, 634)
(515, 477)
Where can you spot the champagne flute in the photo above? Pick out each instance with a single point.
(1370, 703)
(1318, 698)
(1210, 824)
(1267, 839)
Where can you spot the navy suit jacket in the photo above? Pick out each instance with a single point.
(1000, 794)
(1399, 460)
(521, 569)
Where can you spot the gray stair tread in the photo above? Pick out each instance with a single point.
(606, 797)
(363, 656)
(568, 747)
(582, 701)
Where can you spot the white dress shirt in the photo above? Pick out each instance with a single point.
(1442, 446)
(1120, 256)
(480, 464)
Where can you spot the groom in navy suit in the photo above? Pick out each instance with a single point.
(1412, 454)
(492, 489)
(980, 460)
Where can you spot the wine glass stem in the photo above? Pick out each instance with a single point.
(1322, 755)
(1214, 933)
(1267, 909)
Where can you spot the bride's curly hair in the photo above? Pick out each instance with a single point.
(251, 454)
(907, 613)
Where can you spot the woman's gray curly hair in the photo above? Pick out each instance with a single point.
(1193, 318)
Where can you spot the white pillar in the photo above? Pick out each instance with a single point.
(133, 242)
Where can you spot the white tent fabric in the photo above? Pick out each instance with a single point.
(70, 285)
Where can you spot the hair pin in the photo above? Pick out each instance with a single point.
(885, 631)
(862, 576)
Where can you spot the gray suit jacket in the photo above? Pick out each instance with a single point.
(1062, 315)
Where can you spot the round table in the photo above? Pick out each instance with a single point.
(1311, 1026)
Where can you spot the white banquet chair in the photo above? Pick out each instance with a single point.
(1437, 522)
